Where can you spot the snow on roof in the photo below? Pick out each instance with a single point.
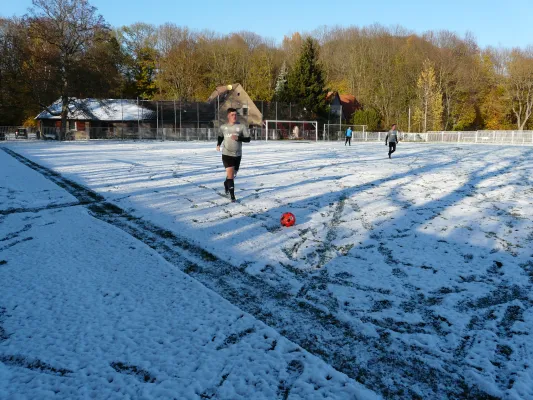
(100, 110)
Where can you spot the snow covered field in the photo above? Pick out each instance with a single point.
(412, 276)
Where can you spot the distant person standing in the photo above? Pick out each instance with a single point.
(348, 136)
(233, 135)
(392, 139)
(295, 132)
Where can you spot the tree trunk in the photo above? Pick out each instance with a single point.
(425, 114)
(64, 115)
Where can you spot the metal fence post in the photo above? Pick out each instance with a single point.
(476, 137)
(512, 138)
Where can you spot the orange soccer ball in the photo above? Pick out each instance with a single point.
(287, 219)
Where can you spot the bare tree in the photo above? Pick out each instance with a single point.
(519, 85)
(69, 27)
(428, 112)
(180, 65)
(15, 104)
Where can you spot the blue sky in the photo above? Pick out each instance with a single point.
(493, 23)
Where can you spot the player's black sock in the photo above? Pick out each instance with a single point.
(231, 188)
(226, 186)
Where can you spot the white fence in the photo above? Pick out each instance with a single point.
(12, 136)
(210, 134)
(489, 137)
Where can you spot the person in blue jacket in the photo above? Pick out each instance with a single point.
(348, 136)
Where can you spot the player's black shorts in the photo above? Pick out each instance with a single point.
(230, 161)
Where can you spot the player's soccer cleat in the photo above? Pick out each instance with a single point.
(231, 189)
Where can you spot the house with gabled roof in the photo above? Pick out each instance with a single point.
(344, 105)
(97, 116)
(234, 96)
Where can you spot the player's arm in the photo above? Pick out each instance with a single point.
(220, 139)
(387, 138)
(244, 136)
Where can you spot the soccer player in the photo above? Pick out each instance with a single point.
(233, 135)
(391, 139)
(348, 136)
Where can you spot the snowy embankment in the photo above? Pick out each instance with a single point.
(411, 275)
(88, 311)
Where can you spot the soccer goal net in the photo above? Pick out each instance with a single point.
(338, 132)
(290, 130)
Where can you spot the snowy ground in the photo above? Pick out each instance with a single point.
(87, 311)
(412, 275)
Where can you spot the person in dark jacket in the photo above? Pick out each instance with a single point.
(392, 138)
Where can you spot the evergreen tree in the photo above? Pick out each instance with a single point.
(306, 83)
(281, 92)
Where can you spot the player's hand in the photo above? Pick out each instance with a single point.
(218, 148)
(234, 137)
(386, 143)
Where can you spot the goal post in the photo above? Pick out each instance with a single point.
(338, 132)
(276, 129)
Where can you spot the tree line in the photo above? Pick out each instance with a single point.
(431, 81)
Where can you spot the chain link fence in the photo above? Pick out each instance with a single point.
(175, 120)
(258, 133)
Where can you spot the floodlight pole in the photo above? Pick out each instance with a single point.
(138, 120)
(122, 122)
(409, 123)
